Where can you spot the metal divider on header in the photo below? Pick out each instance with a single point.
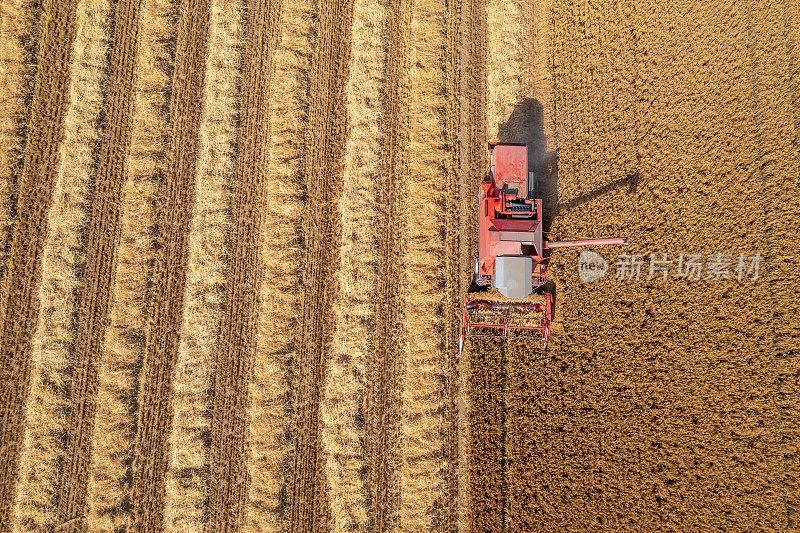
(505, 320)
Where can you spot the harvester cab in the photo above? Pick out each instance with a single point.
(511, 266)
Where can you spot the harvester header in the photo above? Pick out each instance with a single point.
(512, 256)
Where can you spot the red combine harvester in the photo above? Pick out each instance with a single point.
(511, 254)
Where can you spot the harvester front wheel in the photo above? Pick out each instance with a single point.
(474, 286)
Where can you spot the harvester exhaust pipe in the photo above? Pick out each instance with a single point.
(586, 242)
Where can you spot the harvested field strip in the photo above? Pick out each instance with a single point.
(189, 479)
(268, 450)
(507, 35)
(16, 25)
(102, 234)
(422, 464)
(381, 406)
(43, 449)
(237, 341)
(165, 294)
(342, 408)
(324, 144)
(19, 305)
(469, 165)
(473, 160)
(123, 345)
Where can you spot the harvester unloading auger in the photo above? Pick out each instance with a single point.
(511, 255)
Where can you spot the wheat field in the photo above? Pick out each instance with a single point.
(234, 239)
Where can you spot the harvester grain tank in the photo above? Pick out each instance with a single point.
(512, 254)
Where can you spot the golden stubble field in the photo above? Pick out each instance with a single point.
(235, 237)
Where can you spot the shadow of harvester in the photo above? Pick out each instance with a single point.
(525, 125)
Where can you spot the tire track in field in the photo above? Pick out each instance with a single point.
(383, 396)
(101, 238)
(473, 125)
(470, 166)
(19, 307)
(173, 214)
(307, 506)
(234, 356)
